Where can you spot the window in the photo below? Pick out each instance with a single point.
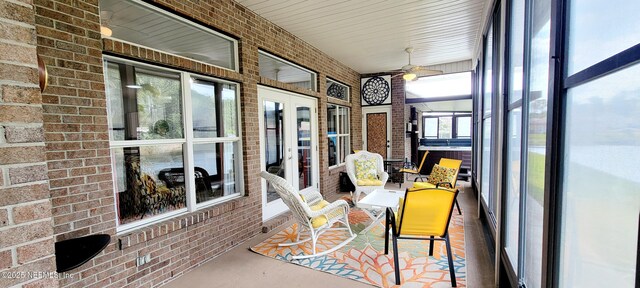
(281, 70)
(338, 128)
(338, 90)
(141, 23)
(454, 84)
(601, 141)
(446, 125)
(157, 130)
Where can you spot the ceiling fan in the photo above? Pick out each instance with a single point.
(411, 72)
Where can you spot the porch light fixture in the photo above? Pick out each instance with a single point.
(106, 31)
(105, 18)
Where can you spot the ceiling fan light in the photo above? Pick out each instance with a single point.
(106, 31)
(409, 76)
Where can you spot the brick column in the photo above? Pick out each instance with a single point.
(26, 234)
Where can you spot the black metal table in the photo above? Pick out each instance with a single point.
(393, 165)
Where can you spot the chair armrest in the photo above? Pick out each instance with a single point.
(311, 196)
(384, 176)
(332, 206)
(447, 186)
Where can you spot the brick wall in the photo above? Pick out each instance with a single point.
(26, 234)
(76, 137)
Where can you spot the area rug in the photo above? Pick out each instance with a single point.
(363, 259)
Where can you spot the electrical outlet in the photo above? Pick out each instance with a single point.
(143, 260)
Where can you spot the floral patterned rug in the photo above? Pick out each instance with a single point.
(363, 258)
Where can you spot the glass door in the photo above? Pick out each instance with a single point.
(288, 137)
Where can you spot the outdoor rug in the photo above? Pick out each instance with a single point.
(363, 259)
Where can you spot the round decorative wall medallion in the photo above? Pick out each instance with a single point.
(375, 91)
(336, 91)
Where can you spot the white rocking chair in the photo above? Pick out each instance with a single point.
(313, 214)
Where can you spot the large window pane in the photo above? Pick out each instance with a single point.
(536, 145)
(274, 143)
(151, 27)
(212, 102)
(430, 128)
(214, 170)
(305, 160)
(280, 70)
(445, 128)
(516, 50)
(338, 126)
(147, 105)
(601, 200)
(144, 188)
(463, 127)
(454, 84)
(512, 207)
(486, 159)
(599, 30)
(488, 73)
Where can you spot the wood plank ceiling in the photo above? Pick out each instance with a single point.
(371, 35)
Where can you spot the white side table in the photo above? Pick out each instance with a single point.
(379, 200)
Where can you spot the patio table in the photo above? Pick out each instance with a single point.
(379, 200)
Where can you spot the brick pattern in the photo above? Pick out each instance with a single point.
(26, 234)
(76, 138)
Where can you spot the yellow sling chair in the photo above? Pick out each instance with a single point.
(424, 214)
(448, 163)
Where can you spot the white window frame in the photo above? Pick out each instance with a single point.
(313, 75)
(340, 135)
(187, 148)
(236, 62)
(347, 88)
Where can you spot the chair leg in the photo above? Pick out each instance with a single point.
(396, 262)
(458, 206)
(452, 269)
(386, 232)
(431, 246)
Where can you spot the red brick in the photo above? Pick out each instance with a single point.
(18, 73)
(83, 171)
(5, 259)
(21, 114)
(27, 174)
(24, 134)
(31, 212)
(26, 233)
(45, 264)
(18, 94)
(4, 218)
(22, 194)
(35, 251)
(16, 53)
(15, 155)
(17, 33)
(16, 12)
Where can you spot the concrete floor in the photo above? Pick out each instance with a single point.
(243, 268)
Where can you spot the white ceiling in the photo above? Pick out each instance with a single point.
(371, 35)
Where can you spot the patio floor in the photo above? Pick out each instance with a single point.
(242, 268)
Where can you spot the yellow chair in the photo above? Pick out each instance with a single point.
(424, 214)
(415, 170)
(448, 163)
